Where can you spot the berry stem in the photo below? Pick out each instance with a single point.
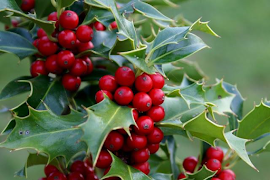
(232, 164)
(54, 3)
(52, 38)
(62, 164)
(138, 72)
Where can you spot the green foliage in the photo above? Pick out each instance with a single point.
(202, 174)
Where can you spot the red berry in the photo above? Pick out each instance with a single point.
(143, 83)
(114, 141)
(85, 46)
(43, 178)
(65, 59)
(75, 176)
(140, 156)
(145, 125)
(215, 153)
(153, 148)
(52, 66)
(35, 43)
(125, 76)
(78, 166)
(99, 26)
(84, 33)
(157, 96)
(144, 167)
(38, 67)
(156, 113)
(71, 83)
(213, 165)
(79, 68)
(67, 39)
(155, 136)
(14, 23)
(181, 176)
(104, 159)
(227, 175)
(53, 17)
(136, 141)
(123, 95)
(113, 25)
(135, 114)
(108, 83)
(190, 163)
(57, 176)
(69, 19)
(158, 80)
(100, 95)
(49, 169)
(47, 47)
(27, 5)
(89, 64)
(142, 102)
(91, 177)
(41, 33)
(214, 178)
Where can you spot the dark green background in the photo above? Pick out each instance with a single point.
(240, 56)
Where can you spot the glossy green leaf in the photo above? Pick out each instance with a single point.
(255, 123)
(161, 176)
(64, 3)
(97, 14)
(96, 75)
(107, 116)
(86, 96)
(22, 32)
(203, 174)
(16, 44)
(204, 27)
(9, 127)
(124, 171)
(162, 3)
(51, 130)
(14, 88)
(43, 8)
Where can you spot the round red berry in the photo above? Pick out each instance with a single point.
(85, 46)
(99, 26)
(142, 102)
(78, 166)
(35, 43)
(79, 68)
(213, 165)
(145, 125)
(71, 83)
(157, 96)
(89, 64)
(125, 76)
(227, 174)
(144, 167)
(104, 160)
(156, 113)
(53, 17)
(135, 114)
(67, 39)
(214, 178)
(215, 153)
(44, 178)
(114, 141)
(190, 163)
(155, 136)
(84, 33)
(143, 83)
(181, 176)
(113, 25)
(75, 176)
(57, 176)
(65, 59)
(49, 169)
(136, 141)
(100, 95)
(47, 47)
(69, 20)
(153, 148)
(158, 80)
(38, 67)
(27, 5)
(123, 95)
(41, 33)
(108, 83)
(140, 156)
(52, 66)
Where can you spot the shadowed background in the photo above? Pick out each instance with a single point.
(240, 56)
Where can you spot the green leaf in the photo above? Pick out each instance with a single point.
(161, 176)
(97, 14)
(86, 96)
(96, 75)
(204, 27)
(265, 148)
(22, 32)
(43, 8)
(78, 7)
(64, 3)
(203, 174)
(255, 123)
(33, 160)
(107, 116)
(16, 44)
(51, 130)
(124, 171)
(14, 88)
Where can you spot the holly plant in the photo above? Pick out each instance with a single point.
(111, 90)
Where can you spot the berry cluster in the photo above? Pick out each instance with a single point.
(78, 170)
(213, 161)
(144, 94)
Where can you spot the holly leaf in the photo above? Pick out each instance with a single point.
(203, 174)
(22, 32)
(256, 123)
(98, 14)
(33, 160)
(86, 96)
(43, 8)
(64, 3)
(50, 129)
(14, 88)
(161, 176)
(265, 148)
(204, 27)
(16, 44)
(107, 116)
(124, 171)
